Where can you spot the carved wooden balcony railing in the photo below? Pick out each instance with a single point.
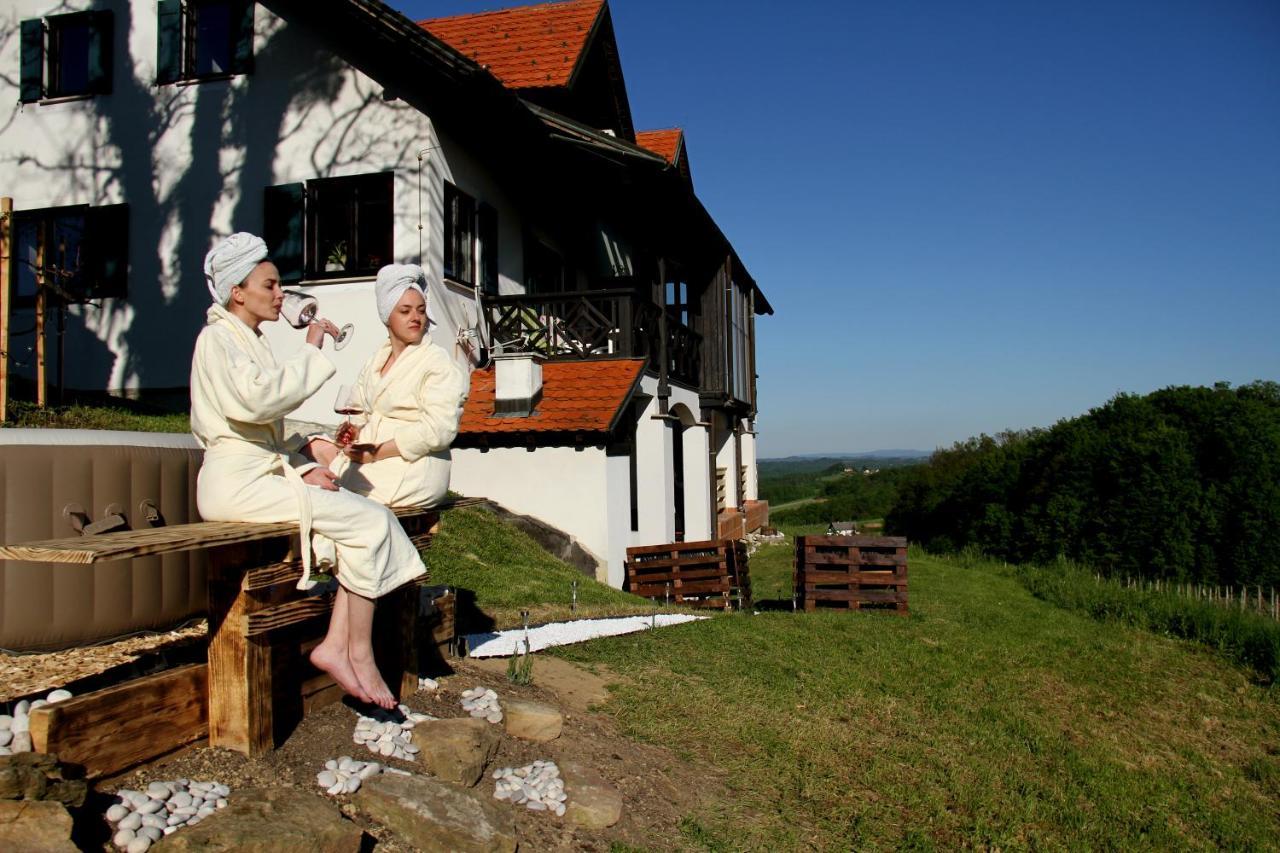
(617, 323)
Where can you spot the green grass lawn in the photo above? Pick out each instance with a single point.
(23, 414)
(509, 572)
(987, 718)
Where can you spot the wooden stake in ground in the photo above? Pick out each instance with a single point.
(6, 247)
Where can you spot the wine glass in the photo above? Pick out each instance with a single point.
(300, 310)
(344, 336)
(346, 404)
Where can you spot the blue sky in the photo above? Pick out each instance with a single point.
(976, 216)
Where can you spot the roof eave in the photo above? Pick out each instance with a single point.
(626, 400)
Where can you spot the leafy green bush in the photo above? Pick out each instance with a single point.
(1181, 484)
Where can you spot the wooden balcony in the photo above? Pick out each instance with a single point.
(615, 323)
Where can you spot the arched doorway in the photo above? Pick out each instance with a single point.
(681, 420)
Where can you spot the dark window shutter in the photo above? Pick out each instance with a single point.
(169, 41)
(32, 85)
(242, 38)
(101, 45)
(107, 249)
(450, 230)
(487, 226)
(283, 216)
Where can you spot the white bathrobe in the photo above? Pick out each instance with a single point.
(419, 404)
(239, 396)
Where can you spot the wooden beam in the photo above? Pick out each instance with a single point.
(240, 682)
(6, 252)
(110, 730)
(126, 544)
(40, 318)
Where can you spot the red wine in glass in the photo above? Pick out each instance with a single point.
(346, 404)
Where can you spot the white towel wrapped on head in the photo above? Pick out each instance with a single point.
(393, 281)
(229, 263)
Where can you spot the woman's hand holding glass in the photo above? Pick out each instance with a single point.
(300, 310)
(347, 404)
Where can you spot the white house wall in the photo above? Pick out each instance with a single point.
(192, 162)
(567, 488)
(653, 472)
(617, 500)
(725, 458)
(655, 480)
(749, 459)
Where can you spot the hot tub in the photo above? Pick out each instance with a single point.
(150, 479)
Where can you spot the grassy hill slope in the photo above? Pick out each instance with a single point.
(509, 572)
(987, 718)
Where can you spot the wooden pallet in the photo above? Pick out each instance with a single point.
(695, 574)
(851, 573)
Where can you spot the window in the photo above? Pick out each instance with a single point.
(678, 300)
(330, 227)
(66, 56)
(459, 235)
(487, 226)
(738, 349)
(80, 252)
(204, 39)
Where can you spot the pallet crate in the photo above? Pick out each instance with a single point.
(696, 574)
(851, 572)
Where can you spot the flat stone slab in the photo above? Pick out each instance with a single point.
(36, 776)
(35, 826)
(429, 815)
(266, 820)
(456, 750)
(535, 721)
(593, 803)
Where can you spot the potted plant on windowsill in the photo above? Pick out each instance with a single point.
(336, 260)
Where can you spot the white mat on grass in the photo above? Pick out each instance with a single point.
(501, 644)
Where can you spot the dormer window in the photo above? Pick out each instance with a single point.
(66, 56)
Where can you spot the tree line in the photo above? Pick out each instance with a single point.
(839, 495)
(1181, 484)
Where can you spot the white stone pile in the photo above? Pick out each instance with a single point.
(537, 786)
(389, 734)
(343, 775)
(15, 728)
(428, 684)
(482, 702)
(142, 818)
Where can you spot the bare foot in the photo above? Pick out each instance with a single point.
(336, 663)
(371, 680)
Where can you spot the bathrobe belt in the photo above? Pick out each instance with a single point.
(244, 449)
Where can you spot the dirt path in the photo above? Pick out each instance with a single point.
(658, 787)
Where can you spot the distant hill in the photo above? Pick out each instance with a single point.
(869, 454)
(778, 477)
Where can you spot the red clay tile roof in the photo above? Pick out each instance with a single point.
(524, 47)
(577, 396)
(664, 143)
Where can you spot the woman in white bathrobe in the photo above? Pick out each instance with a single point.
(410, 394)
(239, 396)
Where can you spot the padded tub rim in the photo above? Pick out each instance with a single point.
(20, 436)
